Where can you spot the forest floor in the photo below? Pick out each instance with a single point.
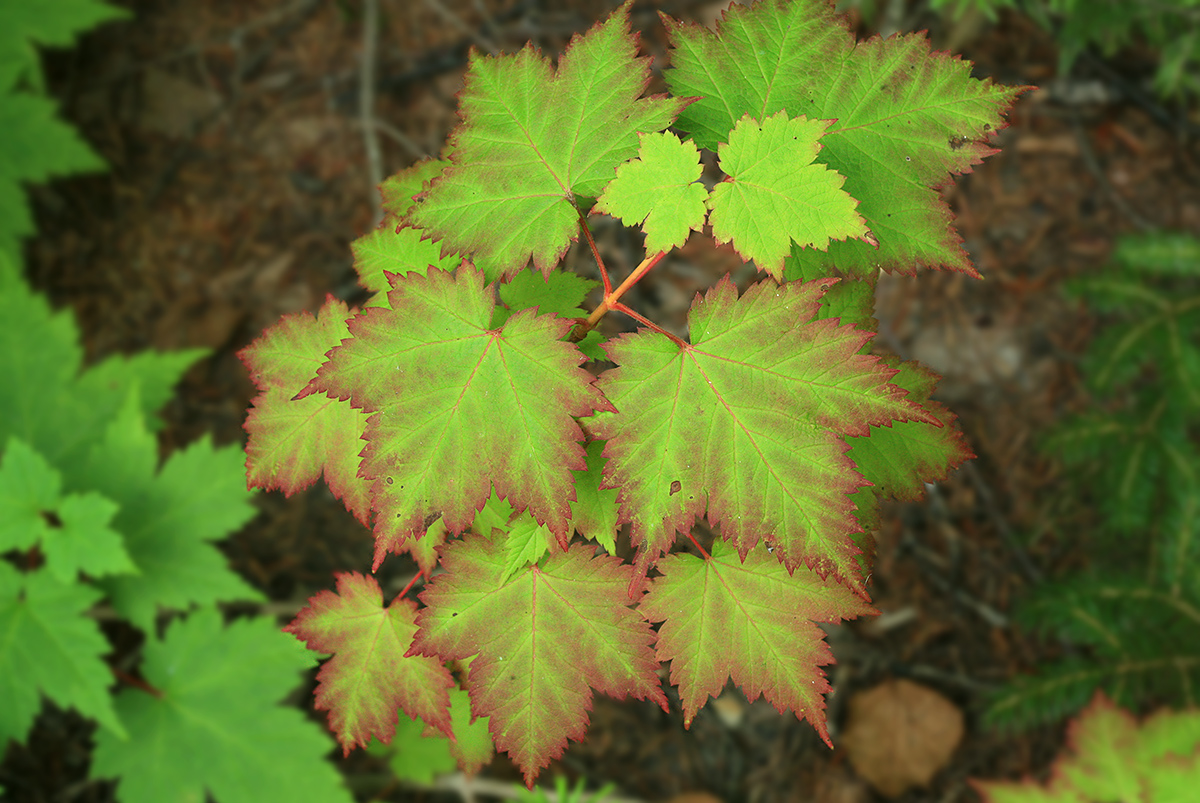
(239, 177)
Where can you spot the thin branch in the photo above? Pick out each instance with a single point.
(595, 252)
(452, 18)
(401, 139)
(642, 319)
(610, 299)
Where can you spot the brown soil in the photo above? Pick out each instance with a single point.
(239, 177)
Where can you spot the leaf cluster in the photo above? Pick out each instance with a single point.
(469, 415)
(1135, 457)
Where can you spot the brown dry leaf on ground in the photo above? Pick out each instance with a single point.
(900, 734)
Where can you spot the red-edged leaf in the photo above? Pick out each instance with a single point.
(458, 408)
(293, 441)
(369, 676)
(750, 621)
(747, 423)
(542, 640)
(534, 141)
(899, 459)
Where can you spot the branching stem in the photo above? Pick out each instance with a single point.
(612, 302)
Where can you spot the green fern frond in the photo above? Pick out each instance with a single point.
(1162, 254)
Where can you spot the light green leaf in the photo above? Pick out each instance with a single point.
(750, 620)
(525, 544)
(776, 195)
(659, 191)
(746, 425)
(169, 518)
(560, 294)
(293, 442)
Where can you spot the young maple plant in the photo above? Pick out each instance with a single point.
(455, 416)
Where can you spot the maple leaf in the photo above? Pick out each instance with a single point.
(47, 400)
(72, 530)
(458, 408)
(55, 23)
(221, 714)
(594, 511)
(907, 118)
(168, 516)
(535, 691)
(420, 751)
(899, 459)
(560, 293)
(747, 422)
(659, 191)
(776, 195)
(392, 247)
(293, 441)
(369, 677)
(50, 647)
(747, 619)
(534, 142)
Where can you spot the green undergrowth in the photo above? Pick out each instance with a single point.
(96, 527)
(1132, 619)
(1170, 29)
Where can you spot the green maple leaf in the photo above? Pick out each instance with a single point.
(594, 511)
(420, 751)
(776, 195)
(747, 423)
(906, 118)
(525, 543)
(393, 247)
(560, 293)
(168, 517)
(535, 689)
(72, 530)
(50, 23)
(35, 146)
(369, 677)
(214, 726)
(458, 408)
(535, 142)
(48, 401)
(400, 190)
(659, 191)
(900, 458)
(49, 647)
(294, 441)
(724, 617)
